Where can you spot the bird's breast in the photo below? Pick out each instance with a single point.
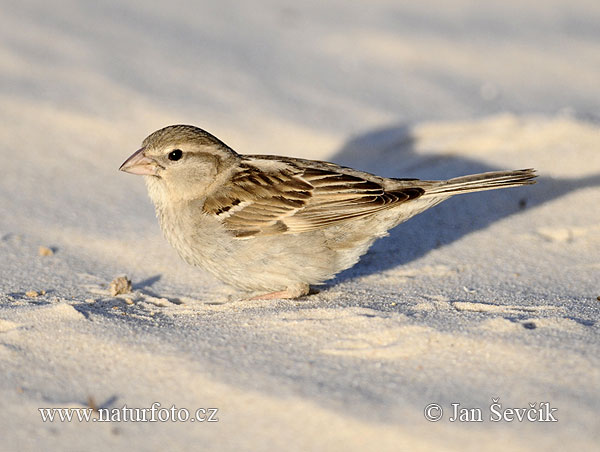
(199, 238)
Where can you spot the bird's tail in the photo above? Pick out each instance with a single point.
(483, 181)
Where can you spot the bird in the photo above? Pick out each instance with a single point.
(273, 226)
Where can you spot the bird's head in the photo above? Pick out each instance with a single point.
(183, 160)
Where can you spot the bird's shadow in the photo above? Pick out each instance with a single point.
(391, 152)
(148, 282)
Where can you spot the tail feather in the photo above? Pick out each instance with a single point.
(481, 182)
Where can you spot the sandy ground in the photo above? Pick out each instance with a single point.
(487, 296)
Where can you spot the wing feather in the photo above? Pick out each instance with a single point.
(283, 198)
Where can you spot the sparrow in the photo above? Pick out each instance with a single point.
(273, 226)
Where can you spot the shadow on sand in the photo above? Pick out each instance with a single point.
(391, 152)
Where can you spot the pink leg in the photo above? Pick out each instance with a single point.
(289, 293)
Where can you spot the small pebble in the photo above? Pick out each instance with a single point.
(120, 285)
(91, 402)
(45, 251)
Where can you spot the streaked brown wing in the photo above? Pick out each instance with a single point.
(263, 201)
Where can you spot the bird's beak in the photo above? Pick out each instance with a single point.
(138, 163)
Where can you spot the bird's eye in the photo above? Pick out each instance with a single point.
(175, 154)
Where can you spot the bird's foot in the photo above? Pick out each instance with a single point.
(296, 291)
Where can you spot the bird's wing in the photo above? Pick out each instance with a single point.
(276, 197)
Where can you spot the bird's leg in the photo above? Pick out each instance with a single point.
(295, 291)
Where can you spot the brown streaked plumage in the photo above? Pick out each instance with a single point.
(274, 225)
(298, 200)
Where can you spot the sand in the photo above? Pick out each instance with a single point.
(487, 299)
